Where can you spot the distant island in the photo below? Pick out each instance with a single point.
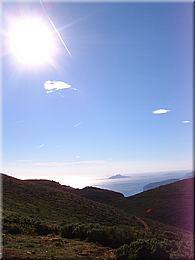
(118, 176)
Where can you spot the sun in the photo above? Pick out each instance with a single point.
(31, 41)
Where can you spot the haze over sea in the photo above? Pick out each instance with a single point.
(134, 183)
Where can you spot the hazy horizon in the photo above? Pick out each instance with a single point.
(134, 181)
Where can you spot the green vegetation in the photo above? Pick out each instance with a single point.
(153, 249)
(132, 241)
(114, 236)
(170, 204)
(52, 247)
(36, 211)
(54, 203)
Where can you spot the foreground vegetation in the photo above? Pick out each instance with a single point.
(52, 247)
(125, 242)
(45, 220)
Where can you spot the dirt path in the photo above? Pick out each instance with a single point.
(143, 223)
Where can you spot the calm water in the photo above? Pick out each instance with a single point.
(134, 184)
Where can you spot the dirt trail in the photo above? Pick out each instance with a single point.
(143, 223)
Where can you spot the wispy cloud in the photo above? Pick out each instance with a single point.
(23, 161)
(41, 145)
(186, 122)
(62, 164)
(160, 111)
(53, 85)
(77, 124)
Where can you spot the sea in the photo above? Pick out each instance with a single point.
(134, 184)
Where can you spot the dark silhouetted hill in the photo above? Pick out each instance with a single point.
(101, 195)
(171, 204)
(53, 202)
(157, 184)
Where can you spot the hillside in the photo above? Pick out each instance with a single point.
(101, 195)
(45, 220)
(171, 204)
(158, 184)
(55, 203)
(24, 247)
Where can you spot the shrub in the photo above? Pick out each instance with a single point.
(160, 253)
(13, 229)
(122, 252)
(67, 231)
(80, 231)
(139, 250)
(143, 252)
(107, 236)
(44, 229)
(143, 249)
(98, 235)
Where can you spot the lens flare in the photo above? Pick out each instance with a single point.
(31, 41)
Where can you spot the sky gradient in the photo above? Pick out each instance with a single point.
(129, 108)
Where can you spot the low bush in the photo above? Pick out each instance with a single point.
(107, 236)
(44, 229)
(122, 252)
(67, 231)
(80, 231)
(13, 229)
(143, 249)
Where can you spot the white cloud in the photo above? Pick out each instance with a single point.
(160, 111)
(75, 89)
(185, 121)
(53, 85)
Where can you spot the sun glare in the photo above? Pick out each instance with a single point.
(31, 41)
(77, 181)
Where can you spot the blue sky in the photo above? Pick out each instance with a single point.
(127, 61)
